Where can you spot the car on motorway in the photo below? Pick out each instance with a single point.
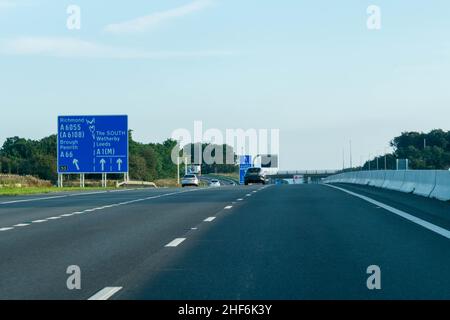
(214, 183)
(255, 175)
(190, 180)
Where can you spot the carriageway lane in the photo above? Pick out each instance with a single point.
(25, 210)
(432, 210)
(301, 242)
(107, 244)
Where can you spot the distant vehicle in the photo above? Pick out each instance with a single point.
(255, 175)
(194, 169)
(214, 183)
(190, 180)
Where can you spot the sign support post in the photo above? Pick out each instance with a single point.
(104, 180)
(82, 185)
(178, 171)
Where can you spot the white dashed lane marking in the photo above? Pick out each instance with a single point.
(39, 221)
(210, 219)
(22, 225)
(6, 229)
(105, 293)
(228, 207)
(175, 243)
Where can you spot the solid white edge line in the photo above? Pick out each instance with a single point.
(105, 293)
(175, 243)
(425, 224)
(75, 195)
(34, 199)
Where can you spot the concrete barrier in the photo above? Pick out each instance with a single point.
(354, 177)
(420, 182)
(365, 177)
(409, 183)
(425, 182)
(377, 178)
(442, 189)
(136, 184)
(394, 180)
(360, 177)
(388, 178)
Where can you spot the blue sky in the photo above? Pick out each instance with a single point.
(310, 68)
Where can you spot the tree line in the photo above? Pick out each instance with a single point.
(147, 161)
(425, 151)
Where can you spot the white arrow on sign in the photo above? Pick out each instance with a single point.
(119, 163)
(102, 162)
(75, 162)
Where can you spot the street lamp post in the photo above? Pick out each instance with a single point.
(351, 156)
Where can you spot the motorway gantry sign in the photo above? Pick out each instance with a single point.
(245, 162)
(92, 144)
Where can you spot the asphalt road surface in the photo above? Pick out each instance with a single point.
(255, 242)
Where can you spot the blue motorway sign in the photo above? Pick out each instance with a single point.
(92, 144)
(245, 162)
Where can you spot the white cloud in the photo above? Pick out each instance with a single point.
(75, 48)
(145, 23)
